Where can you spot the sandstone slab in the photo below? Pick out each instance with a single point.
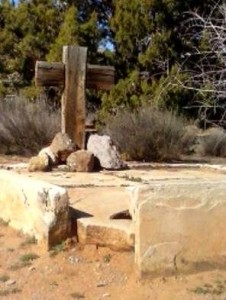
(37, 208)
(179, 226)
(115, 234)
(93, 210)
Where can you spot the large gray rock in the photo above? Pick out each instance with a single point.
(104, 149)
(81, 161)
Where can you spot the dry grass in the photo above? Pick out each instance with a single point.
(212, 143)
(30, 240)
(190, 139)
(148, 134)
(26, 127)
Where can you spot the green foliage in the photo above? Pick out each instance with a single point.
(90, 36)
(57, 249)
(2, 89)
(126, 94)
(149, 37)
(30, 92)
(28, 257)
(129, 26)
(135, 90)
(168, 92)
(68, 35)
(26, 32)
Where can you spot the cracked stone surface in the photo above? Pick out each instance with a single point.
(35, 207)
(179, 212)
(179, 226)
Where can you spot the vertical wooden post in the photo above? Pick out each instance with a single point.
(73, 111)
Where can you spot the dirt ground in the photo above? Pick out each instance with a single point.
(27, 272)
(12, 159)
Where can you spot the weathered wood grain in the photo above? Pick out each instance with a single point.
(53, 74)
(73, 110)
(49, 74)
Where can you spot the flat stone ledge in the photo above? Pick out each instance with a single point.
(179, 227)
(116, 234)
(35, 207)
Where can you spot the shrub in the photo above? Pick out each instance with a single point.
(25, 127)
(212, 143)
(190, 138)
(147, 134)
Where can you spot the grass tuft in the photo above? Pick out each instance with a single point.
(211, 289)
(28, 257)
(57, 249)
(107, 258)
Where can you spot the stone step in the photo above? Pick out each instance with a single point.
(92, 210)
(115, 234)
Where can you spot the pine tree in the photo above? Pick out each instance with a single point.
(129, 27)
(26, 34)
(7, 36)
(68, 34)
(151, 36)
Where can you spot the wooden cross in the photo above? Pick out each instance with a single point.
(75, 75)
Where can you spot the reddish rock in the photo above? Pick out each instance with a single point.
(81, 161)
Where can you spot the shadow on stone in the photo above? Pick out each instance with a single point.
(77, 214)
(122, 215)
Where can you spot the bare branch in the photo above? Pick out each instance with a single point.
(207, 68)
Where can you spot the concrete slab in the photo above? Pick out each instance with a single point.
(115, 234)
(100, 202)
(93, 208)
(34, 207)
(178, 210)
(179, 226)
(142, 174)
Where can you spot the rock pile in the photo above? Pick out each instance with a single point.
(58, 151)
(100, 152)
